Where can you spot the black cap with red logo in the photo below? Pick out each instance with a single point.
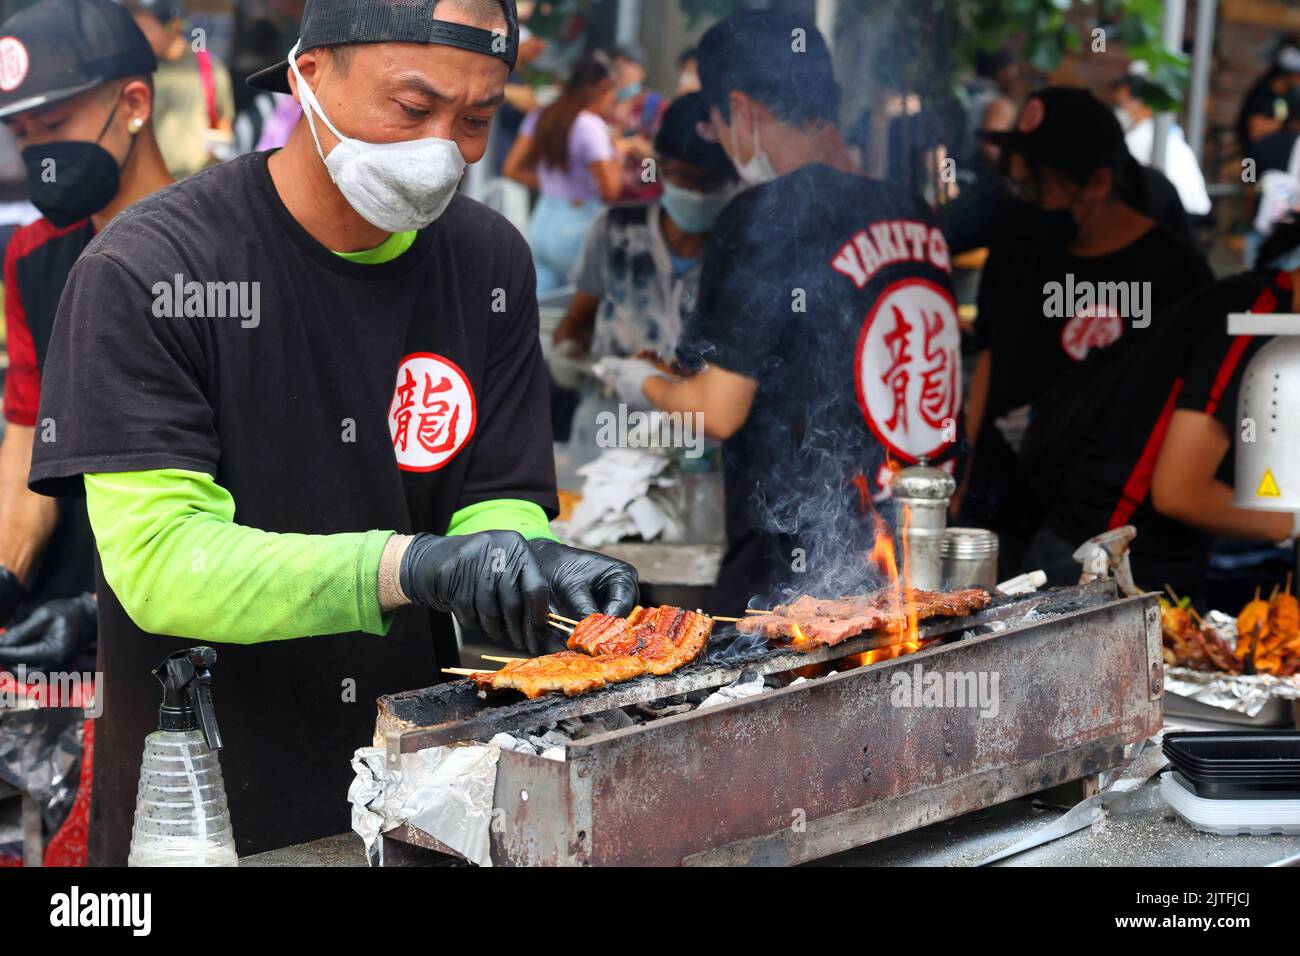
(1065, 128)
(58, 48)
(343, 22)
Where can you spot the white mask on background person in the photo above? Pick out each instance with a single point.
(759, 169)
(1125, 121)
(397, 187)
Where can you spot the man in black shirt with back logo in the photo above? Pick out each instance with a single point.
(826, 332)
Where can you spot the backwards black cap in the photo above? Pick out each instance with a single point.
(339, 22)
(58, 48)
(1065, 128)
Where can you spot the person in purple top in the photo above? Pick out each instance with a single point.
(566, 154)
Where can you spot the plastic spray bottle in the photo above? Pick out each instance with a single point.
(181, 816)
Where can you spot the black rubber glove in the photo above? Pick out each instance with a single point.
(12, 594)
(585, 583)
(52, 636)
(491, 582)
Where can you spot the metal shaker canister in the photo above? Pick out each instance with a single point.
(970, 559)
(921, 495)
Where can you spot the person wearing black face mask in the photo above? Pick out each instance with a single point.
(76, 94)
(1094, 272)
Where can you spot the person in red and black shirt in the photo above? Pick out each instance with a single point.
(1150, 442)
(78, 99)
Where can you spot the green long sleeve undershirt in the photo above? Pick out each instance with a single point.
(181, 567)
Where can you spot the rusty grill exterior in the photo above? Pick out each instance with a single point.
(818, 767)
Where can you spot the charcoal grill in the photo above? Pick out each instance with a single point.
(817, 767)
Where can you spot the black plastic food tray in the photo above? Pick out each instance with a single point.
(1236, 750)
(1237, 788)
(1236, 773)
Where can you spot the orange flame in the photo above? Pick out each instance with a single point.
(884, 557)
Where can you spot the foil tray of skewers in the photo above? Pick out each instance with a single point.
(1239, 664)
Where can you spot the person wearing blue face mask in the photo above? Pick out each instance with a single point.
(635, 117)
(639, 270)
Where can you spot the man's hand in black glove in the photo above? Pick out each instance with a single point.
(491, 582)
(12, 594)
(584, 583)
(52, 636)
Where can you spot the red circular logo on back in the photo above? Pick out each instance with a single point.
(13, 63)
(434, 412)
(908, 369)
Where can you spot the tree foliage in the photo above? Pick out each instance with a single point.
(953, 31)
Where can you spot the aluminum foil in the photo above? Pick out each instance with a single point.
(40, 754)
(1240, 694)
(444, 791)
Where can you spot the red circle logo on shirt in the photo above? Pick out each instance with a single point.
(433, 414)
(909, 369)
(13, 63)
(1091, 329)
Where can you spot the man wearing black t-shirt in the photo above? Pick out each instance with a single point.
(825, 330)
(1265, 108)
(1274, 151)
(304, 396)
(1152, 444)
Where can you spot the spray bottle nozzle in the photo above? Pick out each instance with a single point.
(186, 677)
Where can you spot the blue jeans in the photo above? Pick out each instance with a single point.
(556, 234)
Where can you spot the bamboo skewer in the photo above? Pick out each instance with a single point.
(1178, 602)
(755, 611)
(502, 660)
(563, 620)
(729, 620)
(560, 627)
(463, 671)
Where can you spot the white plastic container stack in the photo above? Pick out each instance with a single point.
(1231, 817)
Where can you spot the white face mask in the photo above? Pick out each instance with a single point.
(397, 187)
(759, 169)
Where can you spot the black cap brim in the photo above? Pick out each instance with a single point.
(1014, 142)
(274, 79)
(998, 137)
(45, 99)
